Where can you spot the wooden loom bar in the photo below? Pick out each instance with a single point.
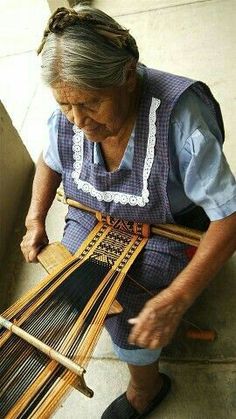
(183, 234)
(179, 236)
(38, 344)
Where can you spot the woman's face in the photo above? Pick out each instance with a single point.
(100, 114)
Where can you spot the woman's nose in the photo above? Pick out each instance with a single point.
(79, 116)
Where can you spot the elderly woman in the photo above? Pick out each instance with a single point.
(140, 145)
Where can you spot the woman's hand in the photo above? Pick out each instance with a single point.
(45, 184)
(33, 241)
(156, 324)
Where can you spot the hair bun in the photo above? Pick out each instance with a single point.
(65, 17)
(61, 19)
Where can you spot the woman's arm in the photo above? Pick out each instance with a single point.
(159, 319)
(218, 244)
(46, 182)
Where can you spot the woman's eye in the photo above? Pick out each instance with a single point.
(93, 105)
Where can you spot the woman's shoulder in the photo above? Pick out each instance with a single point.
(191, 113)
(165, 86)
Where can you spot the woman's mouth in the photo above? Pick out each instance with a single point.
(90, 129)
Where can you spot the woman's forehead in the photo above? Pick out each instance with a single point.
(64, 92)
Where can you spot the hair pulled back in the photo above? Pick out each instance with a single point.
(87, 48)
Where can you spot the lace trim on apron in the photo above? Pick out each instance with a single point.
(118, 197)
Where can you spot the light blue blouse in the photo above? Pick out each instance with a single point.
(199, 172)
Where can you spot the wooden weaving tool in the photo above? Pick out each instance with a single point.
(60, 320)
(172, 231)
(65, 313)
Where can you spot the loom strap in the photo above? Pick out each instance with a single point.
(179, 233)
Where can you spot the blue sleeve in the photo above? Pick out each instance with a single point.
(206, 176)
(50, 152)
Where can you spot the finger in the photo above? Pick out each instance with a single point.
(135, 332)
(161, 339)
(143, 317)
(140, 335)
(24, 253)
(141, 323)
(133, 321)
(23, 244)
(155, 344)
(143, 340)
(32, 255)
(26, 256)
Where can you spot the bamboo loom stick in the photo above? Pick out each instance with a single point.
(51, 353)
(183, 234)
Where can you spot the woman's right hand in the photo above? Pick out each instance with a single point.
(33, 241)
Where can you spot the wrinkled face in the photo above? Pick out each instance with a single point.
(98, 113)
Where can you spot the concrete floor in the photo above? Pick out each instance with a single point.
(192, 38)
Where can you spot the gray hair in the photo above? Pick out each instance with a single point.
(87, 48)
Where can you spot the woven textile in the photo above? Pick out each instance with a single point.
(139, 194)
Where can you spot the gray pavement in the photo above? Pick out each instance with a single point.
(192, 38)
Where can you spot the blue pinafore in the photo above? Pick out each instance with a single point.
(139, 194)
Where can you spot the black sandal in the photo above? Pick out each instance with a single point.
(121, 408)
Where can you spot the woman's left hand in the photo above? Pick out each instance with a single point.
(156, 324)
